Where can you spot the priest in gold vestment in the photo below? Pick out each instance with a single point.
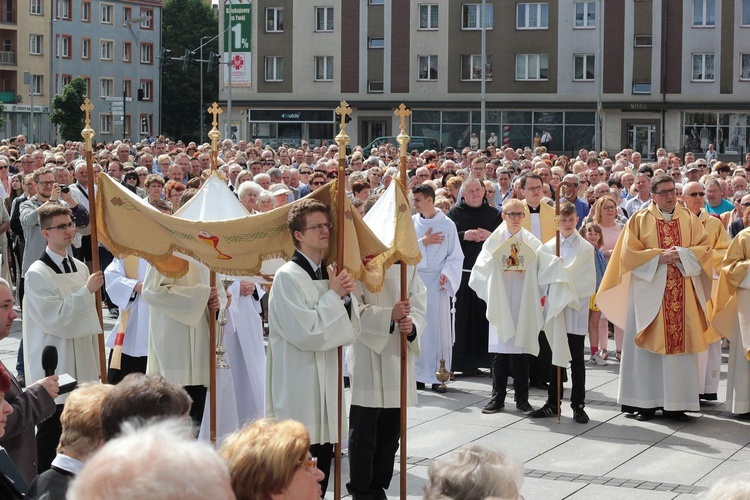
(653, 288)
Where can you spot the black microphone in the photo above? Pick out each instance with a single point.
(49, 360)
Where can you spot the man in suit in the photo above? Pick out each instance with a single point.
(60, 310)
(29, 408)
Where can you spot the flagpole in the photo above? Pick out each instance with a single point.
(88, 134)
(342, 139)
(403, 142)
(558, 194)
(214, 135)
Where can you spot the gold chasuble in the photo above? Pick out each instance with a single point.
(546, 217)
(679, 324)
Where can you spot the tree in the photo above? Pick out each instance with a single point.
(184, 22)
(66, 110)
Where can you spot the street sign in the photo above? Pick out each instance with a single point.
(120, 121)
(118, 112)
(117, 99)
(116, 106)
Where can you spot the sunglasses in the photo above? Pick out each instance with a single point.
(745, 204)
(320, 183)
(700, 193)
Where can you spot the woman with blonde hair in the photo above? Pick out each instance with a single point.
(270, 460)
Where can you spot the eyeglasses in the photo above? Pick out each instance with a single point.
(745, 204)
(318, 227)
(514, 215)
(700, 193)
(62, 227)
(142, 175)
(318, 183)
(45, 183)
(667, 192)
(268, 162)
(3, 167)
(304, 172)
(610, 207)
(311, 462)
(63, 162)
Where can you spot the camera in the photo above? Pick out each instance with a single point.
(64, 188)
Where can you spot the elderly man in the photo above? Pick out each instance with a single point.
(660, 264)
(715, 201)
(642, 198)
(709, 361)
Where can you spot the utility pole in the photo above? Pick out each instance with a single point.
(201, 110)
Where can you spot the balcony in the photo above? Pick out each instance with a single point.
(8, 97)
(7, 57)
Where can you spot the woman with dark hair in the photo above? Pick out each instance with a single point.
(11, 481)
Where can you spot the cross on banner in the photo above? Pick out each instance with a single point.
(402, 112)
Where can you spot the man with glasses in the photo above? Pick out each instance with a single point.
(309, 316)
(642, 198)
(27, 164)
(660, 263)
(60, 310)
(715, 202)
(709, 362)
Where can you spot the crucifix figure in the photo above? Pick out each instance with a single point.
(343, 110)
(87, 133)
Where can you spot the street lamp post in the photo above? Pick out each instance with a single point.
(136, 104)
(200, 116)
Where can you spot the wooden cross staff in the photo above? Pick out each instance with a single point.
(88, 134)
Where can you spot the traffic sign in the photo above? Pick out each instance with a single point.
(118, 112)
(120, 121)
(116, 106)
(110, 98)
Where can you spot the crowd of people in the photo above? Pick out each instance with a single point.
(649, 253)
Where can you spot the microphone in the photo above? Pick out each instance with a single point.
(49, 364)
(49, 360)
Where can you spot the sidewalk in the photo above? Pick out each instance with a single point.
(612, 456)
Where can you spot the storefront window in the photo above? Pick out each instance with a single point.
(728, 132)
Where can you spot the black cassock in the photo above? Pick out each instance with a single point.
(472, 327)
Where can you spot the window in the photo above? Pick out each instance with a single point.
(532, 66)
(106, 87)
(36, 43)
(471, 16)
(471, 67)
(65, 80)
(323, 68)
(274, 20)
(704, 12)
(641, 87)
(744, 66)
(147, 24)
(428, 68)
(148, 90)
(87, 81)
(127, 88)
(532, 16)
(145, 124)
(323, 18)
(85, 48)
(643, 41)
(376, 43)
(745, 12)
(106, 15)
(375, 87)
(585, 15)
(63, 10)
(106, 47)
(37, 84)
(428, 16)
(376, 2)
(65, 46)
(584, 68)
(105, 123)
(127, 14)
(86, 12)
(127, 52)
(274, 69)
(703, 67)
(35, 7)
(147, 53)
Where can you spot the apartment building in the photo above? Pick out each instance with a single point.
(112, 45)
(668, 73)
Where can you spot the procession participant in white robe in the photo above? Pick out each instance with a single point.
(246, 353)
(653, 288)
(440, 270)
(124, 282)
(60, 310)
(375, 366)
(515, 308)
(577, 255)
(309, 316)
(178, 342)
(709, 361)
(732, 320)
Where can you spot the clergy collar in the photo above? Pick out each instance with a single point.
(666, 213)
(313, 265)
(68, 464)
(56, 258)
(533, 210)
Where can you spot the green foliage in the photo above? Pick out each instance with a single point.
(66, 110)
(184, 22)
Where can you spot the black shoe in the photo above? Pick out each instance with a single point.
(543, 412)
(580, 416)
(21, 380)
(708, 397)
(439, 388)
(493, 406)
(645, 415)
(524, 407)
(744, 416)
(540, 385)
(679, 416)
(420, 386)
